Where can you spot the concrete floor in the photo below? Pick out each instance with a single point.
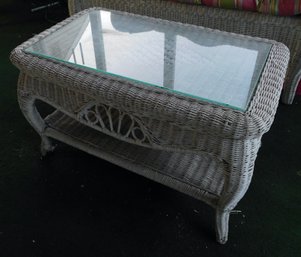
(69, 204)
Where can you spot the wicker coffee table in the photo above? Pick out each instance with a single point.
(183, 105)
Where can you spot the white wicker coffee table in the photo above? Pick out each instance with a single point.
(183, 105)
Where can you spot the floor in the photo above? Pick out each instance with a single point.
(69, 204)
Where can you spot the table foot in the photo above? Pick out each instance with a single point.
(46, 146)
(222, 224)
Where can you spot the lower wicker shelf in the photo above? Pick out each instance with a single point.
(198, 175)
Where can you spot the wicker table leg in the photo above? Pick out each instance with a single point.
(29, 110)
(222, 225)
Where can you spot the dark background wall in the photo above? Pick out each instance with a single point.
(16, 11)
(11, 4)
(5, 3)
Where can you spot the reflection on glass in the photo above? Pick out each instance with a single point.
(188, 60)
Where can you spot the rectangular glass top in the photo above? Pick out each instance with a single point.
(209, 65)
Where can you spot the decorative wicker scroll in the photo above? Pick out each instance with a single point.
(114, 122)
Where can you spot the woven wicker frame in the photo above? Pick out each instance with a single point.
(282, 29)
(204, 150)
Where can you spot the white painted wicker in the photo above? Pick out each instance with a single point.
(199, 148)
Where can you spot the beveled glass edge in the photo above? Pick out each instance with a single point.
(67, 21)
(142, 82)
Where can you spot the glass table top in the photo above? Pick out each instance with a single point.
(203, 64)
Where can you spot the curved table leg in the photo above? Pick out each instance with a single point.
(239, 171)
(29, 110)
(222, 225)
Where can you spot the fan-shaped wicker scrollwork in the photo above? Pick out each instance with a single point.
(114, 122)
